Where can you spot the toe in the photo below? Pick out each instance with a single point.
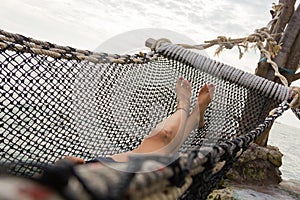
(211, 87)
(186, 84)
(203, 89)
(179, 82)
(211, 90)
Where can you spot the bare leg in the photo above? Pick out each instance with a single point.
(169, 135)
(196, 119)
(166, 136)
(162, 141)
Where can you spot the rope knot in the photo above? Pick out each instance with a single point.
(295, 97)
(222, 39)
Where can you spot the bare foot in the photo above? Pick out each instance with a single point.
(183, 91)
(205, 96)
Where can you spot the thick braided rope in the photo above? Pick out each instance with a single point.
(221, 157)
(208, 163)
(258, 37)
(216, 156)
(241, 143)
(21, 43)
(297, 112)
(170, 193)
(267, 88)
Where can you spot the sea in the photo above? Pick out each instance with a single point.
(122, 26)
(287, 138)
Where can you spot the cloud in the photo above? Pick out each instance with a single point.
(113, 17)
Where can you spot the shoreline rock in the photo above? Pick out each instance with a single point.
(257, 165)
(235, 191)
(256, 175)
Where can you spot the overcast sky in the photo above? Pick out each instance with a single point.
(67, 21)
(85, 24)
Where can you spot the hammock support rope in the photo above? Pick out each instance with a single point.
(58, 101)
(221, 70)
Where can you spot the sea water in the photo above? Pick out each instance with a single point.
(287, 138)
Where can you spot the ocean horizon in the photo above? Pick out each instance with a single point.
(286, 138)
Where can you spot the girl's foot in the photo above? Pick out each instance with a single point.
(183, 91)
(205, 96)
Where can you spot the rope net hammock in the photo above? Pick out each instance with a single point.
(58, 101)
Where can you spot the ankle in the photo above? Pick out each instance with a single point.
(185, 110)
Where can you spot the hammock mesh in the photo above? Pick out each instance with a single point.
(57, 101)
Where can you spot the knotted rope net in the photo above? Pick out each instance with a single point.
(58, 101)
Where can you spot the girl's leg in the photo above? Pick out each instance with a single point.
(196, 119)
(166, 136)
(170, 134)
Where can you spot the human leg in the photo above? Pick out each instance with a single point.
(196, 118)
(169, 137)
(170, 134)
(161, 139)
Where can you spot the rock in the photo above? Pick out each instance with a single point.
(224, 194)
(256, 175)
(257, 165)
(292, 186)
(252, 192)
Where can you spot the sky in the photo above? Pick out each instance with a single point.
(86, 24)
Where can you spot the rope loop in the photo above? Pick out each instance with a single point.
(295, 97)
